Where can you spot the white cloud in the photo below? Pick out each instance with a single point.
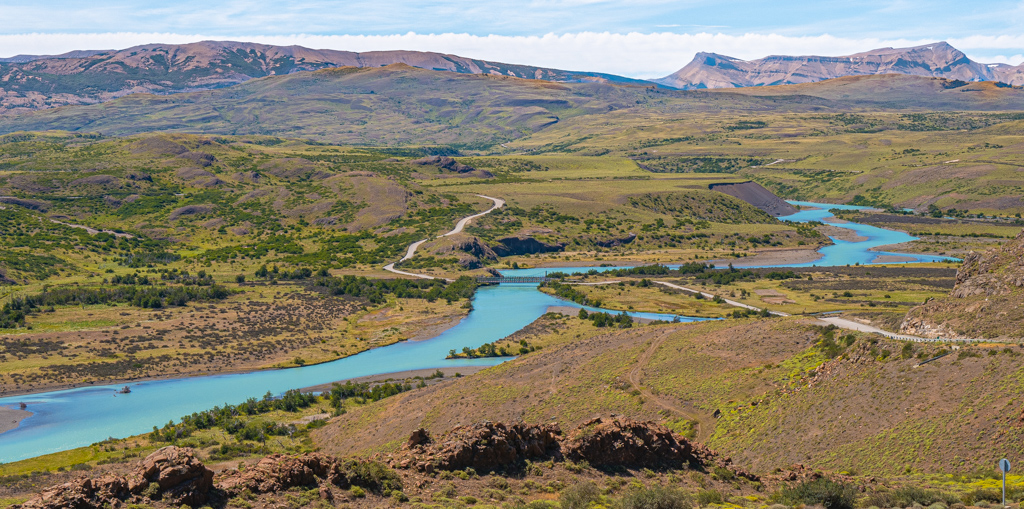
(642, 55)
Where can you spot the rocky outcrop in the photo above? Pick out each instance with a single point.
(522, 244)
(984, 303)
(490, 446)
(279, 472)
(601, 442)
(995, 272)
(443, 162)
(922, 327)
(610, 442)
(172, 474)
(451, 165)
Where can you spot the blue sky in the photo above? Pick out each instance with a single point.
(642, 38)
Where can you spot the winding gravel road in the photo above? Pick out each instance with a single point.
(498, 203)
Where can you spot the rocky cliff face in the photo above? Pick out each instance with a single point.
(986, 301)
(709, 70)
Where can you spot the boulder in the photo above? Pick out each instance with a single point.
(279, 472)
(179, 477)
(492, 446)
(617, 441)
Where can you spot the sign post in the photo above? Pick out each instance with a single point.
(1004, 467)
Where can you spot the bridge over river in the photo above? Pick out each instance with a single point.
(513, 279)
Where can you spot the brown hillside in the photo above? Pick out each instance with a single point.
(760, 390)
(986, 301)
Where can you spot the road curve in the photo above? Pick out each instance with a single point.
(711, 296)
(498, 203)
(842, 323)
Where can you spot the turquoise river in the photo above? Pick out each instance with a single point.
(73, 418)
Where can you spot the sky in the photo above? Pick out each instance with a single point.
(641, 38)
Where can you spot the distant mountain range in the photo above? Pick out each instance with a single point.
(710, 70)
(88, 77)
(31, 82)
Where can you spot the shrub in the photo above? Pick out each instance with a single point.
(357, 492)
(824, 492)
(973, 497)
(657, 497)
(373, 475)
(579, 495)
(448, 490)
(708, 497)
(908, 496)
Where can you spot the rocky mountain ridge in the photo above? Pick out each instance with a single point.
(711, 70)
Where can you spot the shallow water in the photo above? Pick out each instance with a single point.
(73, 418)
(852, 253)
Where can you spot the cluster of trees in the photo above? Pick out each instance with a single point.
(732, 275)
(201, 278)
(645, 270)
(601, 319)
(377, 290)
(146, 297)
(570, 292)
(297, 274)
(229, 417)
(491, 350)
(130, 279)
(339, 393)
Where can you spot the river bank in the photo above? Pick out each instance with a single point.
(768, 258)
(11, 417)
(401, 376)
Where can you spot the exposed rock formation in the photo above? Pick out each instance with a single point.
(608, 442)
(489, 446)
(985, 301)
(709, 70)
(995, 272)
(519, 245)
(172, 473)
(279, 473)
(451, 165)
(602, 442)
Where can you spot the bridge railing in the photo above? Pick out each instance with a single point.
(512, 279)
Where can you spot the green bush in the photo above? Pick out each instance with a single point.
(658, 497)
(708, 497)
(908, 496)
(824, 492)
(579, 495)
